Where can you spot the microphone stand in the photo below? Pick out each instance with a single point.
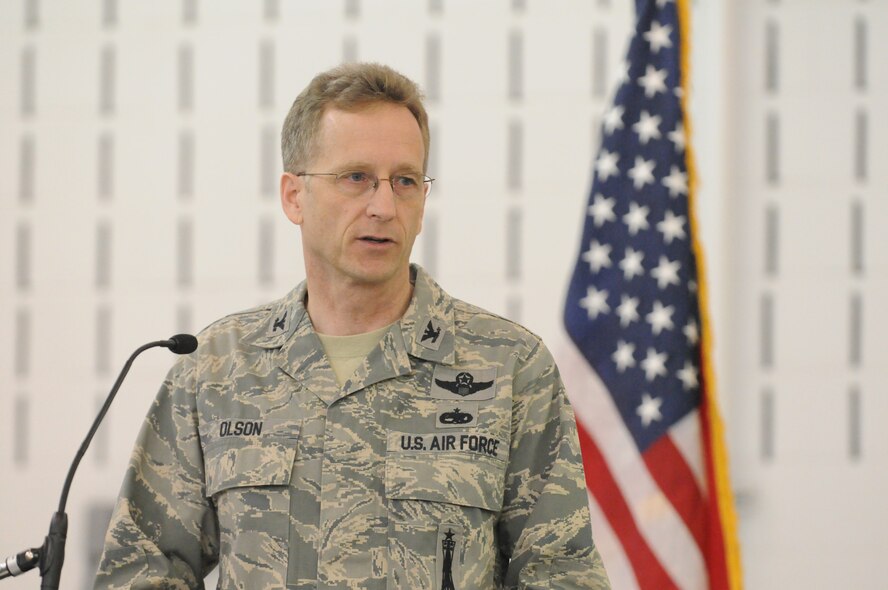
(51, 555)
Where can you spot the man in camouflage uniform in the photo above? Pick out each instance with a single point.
(367, 430)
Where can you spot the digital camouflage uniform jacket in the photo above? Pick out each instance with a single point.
(448, 461)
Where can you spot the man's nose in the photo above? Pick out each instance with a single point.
(382, 201)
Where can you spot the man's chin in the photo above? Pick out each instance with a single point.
(376, 274)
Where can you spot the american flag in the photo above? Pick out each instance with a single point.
(649, 427)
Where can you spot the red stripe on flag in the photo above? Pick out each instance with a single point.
(648, 571)
(675, 478)
(715, 551)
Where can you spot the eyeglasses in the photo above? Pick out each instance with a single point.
(354, 183)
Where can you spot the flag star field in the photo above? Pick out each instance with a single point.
(631, 307)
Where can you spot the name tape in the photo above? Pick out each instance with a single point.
(240, 428)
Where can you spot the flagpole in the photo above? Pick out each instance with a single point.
(719, 465)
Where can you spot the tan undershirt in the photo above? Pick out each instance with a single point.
(346, 353)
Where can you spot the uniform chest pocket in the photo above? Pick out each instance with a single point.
(242, 453)
(444, 492)
(248, 465)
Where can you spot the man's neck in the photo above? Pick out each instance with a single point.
(347, 309)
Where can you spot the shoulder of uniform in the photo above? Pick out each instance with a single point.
(265, 326)
(241, 321)
(479, 322)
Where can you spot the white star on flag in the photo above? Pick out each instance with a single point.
(678, 137)
(598, 256)
(691, 332)
(624, 356)
(613, 119)
(649, 409)
(602, 209)
(676, 182)
(595, 302)
(658, 37)
(631, 264)
(648, 127)
(623, 73)
(636, 219)
(606, 166)
(653, 81)
(642, 173)
(688, 377)
(666, 272)
(654, 364)
(660, 317)
(627, 310)
(672, 227)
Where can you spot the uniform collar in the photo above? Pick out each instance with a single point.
(425, 331)
(284, 316)
(427, 325)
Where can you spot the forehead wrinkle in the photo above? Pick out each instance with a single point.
(362, 166)
(332, 123)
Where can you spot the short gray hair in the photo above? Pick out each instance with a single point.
(348, 87)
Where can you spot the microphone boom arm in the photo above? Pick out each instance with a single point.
(95, 426)
(51, 555)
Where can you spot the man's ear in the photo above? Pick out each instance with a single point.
(292, 189)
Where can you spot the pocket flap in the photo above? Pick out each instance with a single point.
(455, 475)
(261, 459)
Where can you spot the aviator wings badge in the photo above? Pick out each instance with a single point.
(460, 384)
(464, 384)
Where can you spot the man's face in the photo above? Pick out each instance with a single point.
(347, 240)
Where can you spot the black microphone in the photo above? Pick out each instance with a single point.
(51, 555)
(182, 343)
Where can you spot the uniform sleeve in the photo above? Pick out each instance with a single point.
(545, 531)
(163, 532)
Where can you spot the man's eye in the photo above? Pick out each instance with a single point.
(407, 181)
(355, 177)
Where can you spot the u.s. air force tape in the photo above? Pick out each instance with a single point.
(459, 384)
(441, 442)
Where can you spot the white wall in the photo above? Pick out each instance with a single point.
(138, 169)
(807, 259)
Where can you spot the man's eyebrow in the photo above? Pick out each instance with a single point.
(365, 166)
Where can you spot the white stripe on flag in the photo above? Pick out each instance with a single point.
(619, 570)
(656, 518)
(686, 436)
